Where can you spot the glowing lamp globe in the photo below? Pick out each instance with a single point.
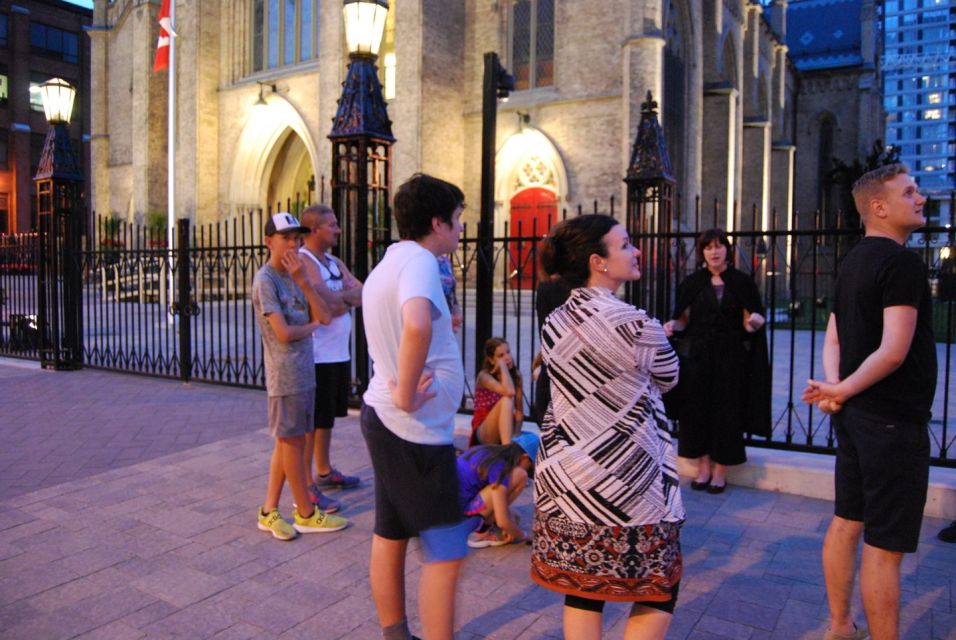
(364, 25)
(58, 96)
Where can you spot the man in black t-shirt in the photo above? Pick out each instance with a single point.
(879, 358)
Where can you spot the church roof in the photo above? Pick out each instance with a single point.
(823, 34)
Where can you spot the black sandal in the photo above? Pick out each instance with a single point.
(700, 486)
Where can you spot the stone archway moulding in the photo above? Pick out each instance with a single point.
(257, 147)
(521, 145)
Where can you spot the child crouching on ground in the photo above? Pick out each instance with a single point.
(490, 479)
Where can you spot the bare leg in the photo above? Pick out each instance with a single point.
(436, 599)
(293, 464)
(839, 568)
(580, 624)
(323, 444)
(718, 475)
(498, 426)
(646, 623)
(880, 588)
(386, 572)
(307, 457)
(517, 483)
(276, 480)
(703, 469)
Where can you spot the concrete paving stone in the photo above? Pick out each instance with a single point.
(16, 613)
(24, 531)
(28, 583)
(722, 628)
(50, 627)
(97, 558)
(12, 517)
(943, 624)
(113, 631)
(287, 608)
(727, 607)
(241, 631)
(809, 593)
(197, 621)
(181, 586)
(766, 592)
(111, 605)
(339, 620)
(70, 593)
(503, 621)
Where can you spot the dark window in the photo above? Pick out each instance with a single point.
(5, 213)
(4, 30)
(4, 149)
(532, 43)
(55, 43)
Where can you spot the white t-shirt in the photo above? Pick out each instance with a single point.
(330, 343)
(408, 271)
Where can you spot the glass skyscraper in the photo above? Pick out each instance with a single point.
(919, 89)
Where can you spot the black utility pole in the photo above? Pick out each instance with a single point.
(497, 84)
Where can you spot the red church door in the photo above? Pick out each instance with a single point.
(533, 211)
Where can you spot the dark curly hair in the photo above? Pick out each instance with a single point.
(422, 198)
(567, 249)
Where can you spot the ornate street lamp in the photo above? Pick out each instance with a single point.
(361, 157)
(650, 210)
(58, 180)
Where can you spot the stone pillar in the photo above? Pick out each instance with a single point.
(778, 19)
(643, 66)
(718, 179)
(778, 99)
(643, 61)
(756, 177)
(19, 103)
(99, 112)
(781, 202)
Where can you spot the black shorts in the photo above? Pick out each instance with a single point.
(416, 491)
(597, 606)
(332, 380)
(882, 474)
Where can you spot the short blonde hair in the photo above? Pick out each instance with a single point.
(870, 184)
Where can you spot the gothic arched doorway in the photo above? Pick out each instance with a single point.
(533, 211)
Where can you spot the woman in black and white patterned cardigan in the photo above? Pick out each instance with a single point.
(608, 508)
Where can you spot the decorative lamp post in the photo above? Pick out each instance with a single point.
(361, 156)
(58, 183)
(497, 84)
(650, 210)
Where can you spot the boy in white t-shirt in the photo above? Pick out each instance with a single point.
(409, 409)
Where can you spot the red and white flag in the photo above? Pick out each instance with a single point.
(165, 34)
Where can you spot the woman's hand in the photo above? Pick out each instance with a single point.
(669, 328)
(753, 321)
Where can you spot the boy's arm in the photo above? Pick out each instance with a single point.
(831, 351)
(411, 389)
(899, 325)
(318, 310)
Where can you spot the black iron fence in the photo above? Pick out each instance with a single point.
(185, 311)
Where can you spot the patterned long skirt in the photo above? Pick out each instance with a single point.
(625, 564)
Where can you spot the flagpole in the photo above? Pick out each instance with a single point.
(171, 163)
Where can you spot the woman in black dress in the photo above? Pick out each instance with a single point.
(724, 373)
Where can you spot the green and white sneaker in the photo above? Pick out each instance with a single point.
(276, 524)
(319, 522)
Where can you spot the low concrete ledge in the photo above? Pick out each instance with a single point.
(811, 475)
(802, 474)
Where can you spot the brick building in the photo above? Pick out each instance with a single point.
(39, 40)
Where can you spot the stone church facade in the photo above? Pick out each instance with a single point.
(258, 82)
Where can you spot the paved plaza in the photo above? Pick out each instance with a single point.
(128, 511)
